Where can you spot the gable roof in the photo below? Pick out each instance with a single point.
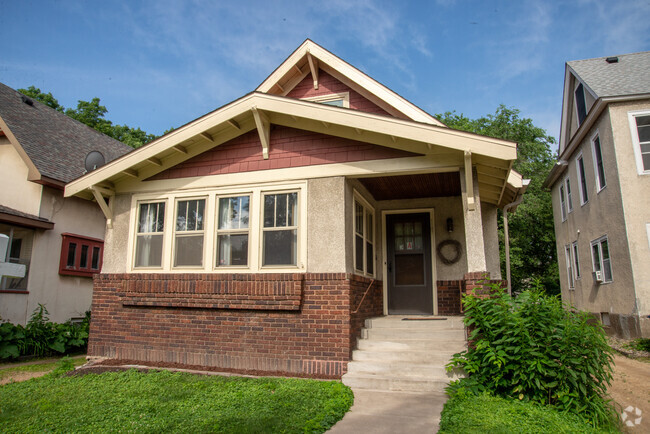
(628, 76)
(53, 145)
(309, 57)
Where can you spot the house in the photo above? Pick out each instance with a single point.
(600, 187)
(261, 235)
(58, 240)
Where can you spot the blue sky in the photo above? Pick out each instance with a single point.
(161, 63)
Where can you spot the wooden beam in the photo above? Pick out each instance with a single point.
(280, 87)
(155, 161)
(313, 67)
(130, 172)
(469, 181)
(298, 69)
(358, 131)
(325, 124)
(207, 136)
(180, 149)
(107, 208)
(393, 139)
(503, 190)
(263, 129)
(233, 123)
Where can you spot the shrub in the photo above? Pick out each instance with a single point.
(530, 348)
(641, 344)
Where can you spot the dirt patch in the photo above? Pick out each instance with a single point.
(631, 388)
(16, 377)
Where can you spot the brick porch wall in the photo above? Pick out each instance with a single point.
(449, 297)
(363, 308)
(292, 323)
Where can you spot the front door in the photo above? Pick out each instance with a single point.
(408, 239)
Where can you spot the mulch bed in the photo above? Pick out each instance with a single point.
(119, 365)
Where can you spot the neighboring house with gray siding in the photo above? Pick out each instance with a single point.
(59, 240)
(600, 189)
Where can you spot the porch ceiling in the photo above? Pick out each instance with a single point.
(413, 186)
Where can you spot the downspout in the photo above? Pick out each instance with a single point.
(518, 200)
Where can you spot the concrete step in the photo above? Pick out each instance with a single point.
(395, 369)
(413, 333)
(410, 356)
(453, 346)
(390, 322)
(373, 382)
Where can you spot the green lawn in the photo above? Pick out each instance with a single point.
(487, 414)
(171, 402)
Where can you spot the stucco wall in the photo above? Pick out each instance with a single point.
(17, 192)
(601, 215)
(636, 201)
(491, 239)
(116, 241)
(326, 219)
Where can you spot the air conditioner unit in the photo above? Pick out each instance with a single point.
(598, 276)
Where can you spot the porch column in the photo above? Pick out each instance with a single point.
(474, 243)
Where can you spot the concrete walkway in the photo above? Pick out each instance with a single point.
(382, 411)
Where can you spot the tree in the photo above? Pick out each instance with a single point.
(532, 234)
(92, 114)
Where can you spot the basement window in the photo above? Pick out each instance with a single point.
(80, 255)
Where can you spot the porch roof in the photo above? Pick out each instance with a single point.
(442, 148)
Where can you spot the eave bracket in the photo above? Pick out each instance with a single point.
(263, 129)
(107, 208)
(313, 67)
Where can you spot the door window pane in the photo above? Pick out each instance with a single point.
(409, 269)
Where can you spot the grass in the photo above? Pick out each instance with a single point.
(171, 402)
(489, 414)
(45, 367)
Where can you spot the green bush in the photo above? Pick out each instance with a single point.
(465, 413)
(41, 337)
(530, 348)
(641, 344)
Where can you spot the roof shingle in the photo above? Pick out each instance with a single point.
(56, 143)
(628, 76)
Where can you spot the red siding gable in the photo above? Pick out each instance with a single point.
(290, 147)
(328, 85)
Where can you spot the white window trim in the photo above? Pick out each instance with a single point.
(598, 242)
(576, 260)
(370, 210)
(260, 238)
(345, 96)
(563, 207)
(568, 255)
(218, 231)
(583, 201)
(255, 228)
(569, 195)
(595, 136)
(636, 145)
(190, 233)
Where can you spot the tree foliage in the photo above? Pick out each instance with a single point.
(532, 234)
(92, 113)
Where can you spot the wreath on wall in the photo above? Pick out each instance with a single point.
(458, 251)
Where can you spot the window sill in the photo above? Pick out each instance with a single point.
(14, 291)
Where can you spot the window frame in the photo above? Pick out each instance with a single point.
(134, 226)
(238, 231)
(80, 241)
(188, 233)
(580, 87)
(563, 208)
(324, 99)
(367, 210)
(212, 194)
(576, 260)
(636, 141)
(568, 255)
(582, 179)
(601, 183)
(599, 242)
(296, 227)
(569, 195)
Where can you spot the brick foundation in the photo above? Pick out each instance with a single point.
(292, 323)
(449, 297)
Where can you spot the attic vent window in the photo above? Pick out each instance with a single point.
(26, 100)
(336, 99)
(612, 60)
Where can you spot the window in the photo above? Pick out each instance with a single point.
(189, 235)
(599, 170)
(364, 247)
(569, 198)
(149, 239)
(80, 256)
(280, 230)
(582, 179)
(600, 258)
(569, 266)
(232, 231)
(581, 104)
(336, 99)
(562, 202)
(576, 260)
(640, 128)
